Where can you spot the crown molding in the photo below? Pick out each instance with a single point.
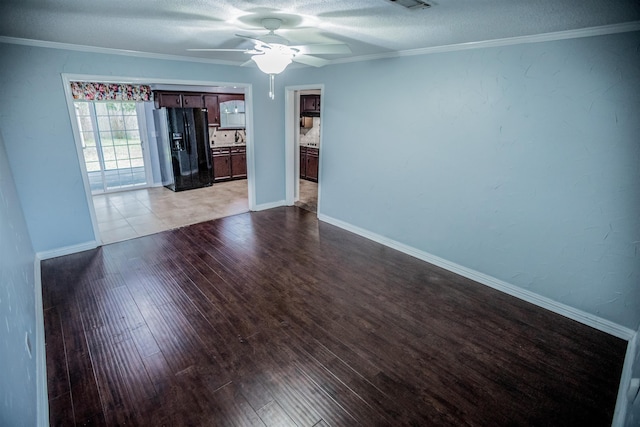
(111, 51)
(535, 38)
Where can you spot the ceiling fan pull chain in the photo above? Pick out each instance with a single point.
(272, 90)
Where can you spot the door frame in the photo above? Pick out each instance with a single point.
(291, 150)
(248, 96)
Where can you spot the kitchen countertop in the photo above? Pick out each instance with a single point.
(225, 145)
(310, 145)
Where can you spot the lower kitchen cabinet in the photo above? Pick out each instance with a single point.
(309, 163)
(229, 163)
(238, 162)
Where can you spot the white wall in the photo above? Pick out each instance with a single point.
(17, 307)
(520, 162)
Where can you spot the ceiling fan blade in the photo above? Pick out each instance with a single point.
(248, 63)
(323, 49)
(310, 60)
(259, 43)
(217, 50)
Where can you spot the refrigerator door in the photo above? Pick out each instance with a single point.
(201, 162)
(180, 147)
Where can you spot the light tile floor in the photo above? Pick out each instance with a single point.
(129, 214)
(308, 196)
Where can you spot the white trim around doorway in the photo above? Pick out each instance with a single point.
(66, 83)
(292, 129)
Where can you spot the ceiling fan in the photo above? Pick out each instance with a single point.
(272, 52)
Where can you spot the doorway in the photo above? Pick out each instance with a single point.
(112, 143)
(135, 208)
(303, 106)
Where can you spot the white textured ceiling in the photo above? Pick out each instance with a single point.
(369, 27)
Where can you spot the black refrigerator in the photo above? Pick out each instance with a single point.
(183, 148)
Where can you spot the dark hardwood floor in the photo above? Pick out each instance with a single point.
(273, 318)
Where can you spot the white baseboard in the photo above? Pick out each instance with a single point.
(67, 250)
(622, 402)
(42, 394)
(270, 205)
(508, 288)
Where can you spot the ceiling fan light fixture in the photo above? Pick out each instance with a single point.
(272, 62)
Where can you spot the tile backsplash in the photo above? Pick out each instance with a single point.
(311, 136)
(226, 137)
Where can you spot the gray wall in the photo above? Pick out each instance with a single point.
(520, 162)
(39, 139)
(17, 307)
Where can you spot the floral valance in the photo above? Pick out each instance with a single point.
(92, 91)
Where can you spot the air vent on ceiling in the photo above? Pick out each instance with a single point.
(412, 4)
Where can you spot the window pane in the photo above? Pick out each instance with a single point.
(82, 108)
(137, 163)
(85, 123)
(90, 155)
(131, 122)
(101, 108)
(122, 152)
(129, 108)
(133, 136)
(124, 163)
(87, 139)
(103, 123)
(93, 167)
(106, 139)
(108, 153)
(135, 151)
(114, 108)
(110, 165)
(117, 123)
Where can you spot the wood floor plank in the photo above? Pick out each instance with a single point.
(275, 318)
(272, 414)
(57, 370)
(61, 411)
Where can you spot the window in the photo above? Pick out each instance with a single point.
(111, 144)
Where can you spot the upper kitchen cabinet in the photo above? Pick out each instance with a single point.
(310, 105)
(178, 100)
(232, 115)
(213, 109)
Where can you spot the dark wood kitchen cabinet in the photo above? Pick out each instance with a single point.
(303, 162)
(178, 100)
(238, 162)
(224, 97)
(229, 163)
(309, 163)
(211, 103)
(221, 163)
(310, 104)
